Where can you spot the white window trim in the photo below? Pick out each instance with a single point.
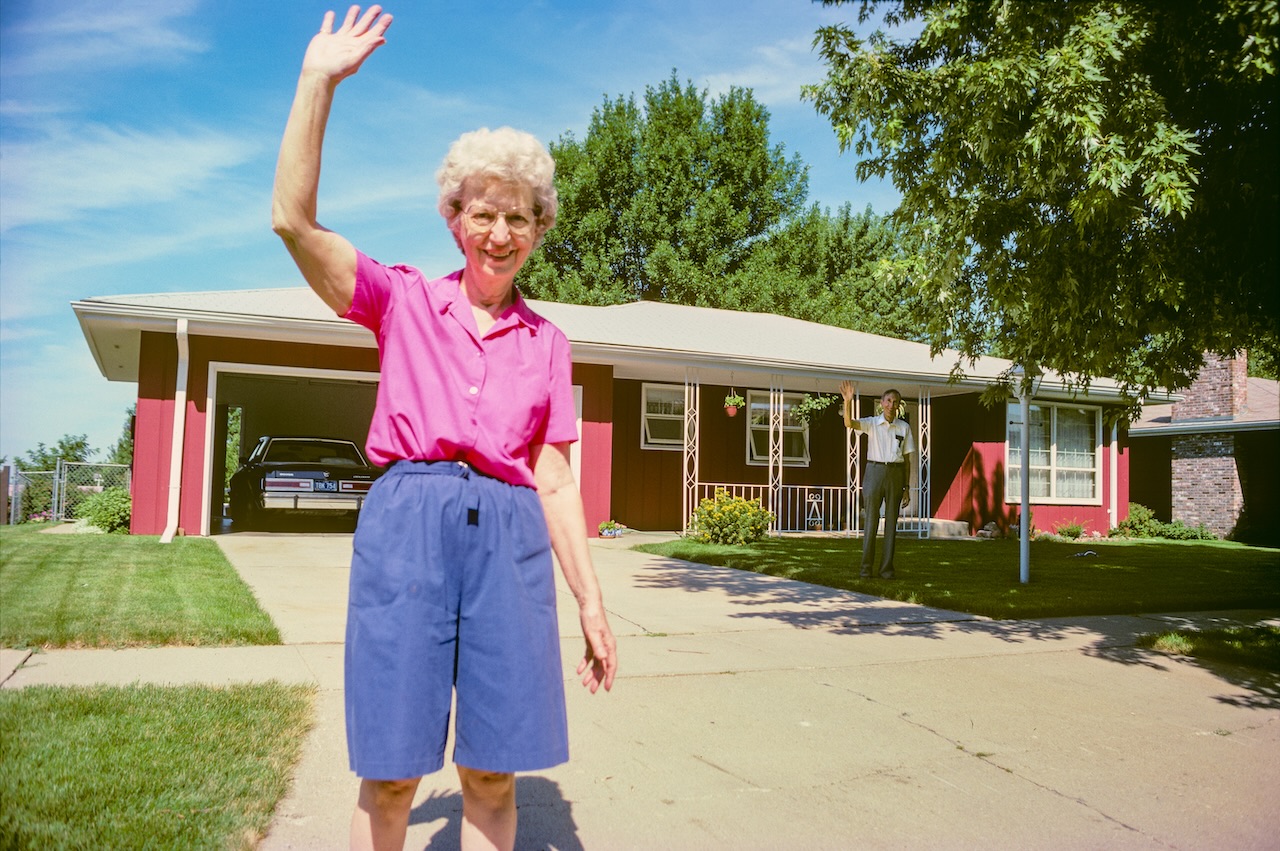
(1013, 496)
(676, 444)
(787, 460)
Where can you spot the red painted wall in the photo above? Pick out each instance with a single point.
(157, 370)
(968, 472)
(640, 488)
(597, 442)
(153, 431)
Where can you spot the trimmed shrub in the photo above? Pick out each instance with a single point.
(109, 510)
(1142, 523)
(1179, 531)
(1072, 529)
(725, 519)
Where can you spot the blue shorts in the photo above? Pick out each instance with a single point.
(452, 588)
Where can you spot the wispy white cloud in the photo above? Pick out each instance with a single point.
(80, 168)
(774, 72)
(57, 37)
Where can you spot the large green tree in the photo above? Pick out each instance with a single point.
(1098, 177)
(856, 271)
(682, 198)
(661, 202)
(70, 447)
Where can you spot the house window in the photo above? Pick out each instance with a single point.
(795, 434)
(1065, 454)
(662, 416)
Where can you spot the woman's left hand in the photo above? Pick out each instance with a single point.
(600, 661)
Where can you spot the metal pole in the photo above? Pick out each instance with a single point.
(1024, 520)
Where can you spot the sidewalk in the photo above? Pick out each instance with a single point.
(756, 712)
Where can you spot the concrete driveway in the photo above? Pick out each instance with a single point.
(754, 712)
(759, 713)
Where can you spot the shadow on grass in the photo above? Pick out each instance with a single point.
(545, 817)
(803, 605)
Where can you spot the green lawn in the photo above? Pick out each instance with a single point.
(69, 590)
(1253, 646)
(981, 576)
(177, 768)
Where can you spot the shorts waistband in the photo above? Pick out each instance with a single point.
(458, 469)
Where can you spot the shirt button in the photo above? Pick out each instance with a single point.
(474, 390)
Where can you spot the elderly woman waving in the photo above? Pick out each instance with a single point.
(451, 577)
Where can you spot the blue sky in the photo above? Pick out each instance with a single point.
(138, 142)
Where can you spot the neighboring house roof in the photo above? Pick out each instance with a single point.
(649, 340)
(1261, 412)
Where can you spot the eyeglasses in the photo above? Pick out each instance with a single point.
(483, 219)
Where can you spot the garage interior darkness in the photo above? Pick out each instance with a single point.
(285, 405)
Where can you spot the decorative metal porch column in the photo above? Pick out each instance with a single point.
(853, 476)
(775, 450)
(690, 502)
(925, 437)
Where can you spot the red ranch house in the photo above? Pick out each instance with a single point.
(651, 380)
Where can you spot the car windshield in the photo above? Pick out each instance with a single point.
(333, 453)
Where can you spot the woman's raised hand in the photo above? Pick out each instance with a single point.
(337, 55)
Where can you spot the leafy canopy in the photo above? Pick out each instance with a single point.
(681, 198)
(1098, 178)
(70, 447)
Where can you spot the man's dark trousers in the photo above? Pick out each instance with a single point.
(882, 483)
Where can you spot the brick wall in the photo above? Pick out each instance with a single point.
(1218, 391)
(1206, 481)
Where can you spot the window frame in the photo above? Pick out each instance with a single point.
(660, 444)
(1012, 486)
(787, 460)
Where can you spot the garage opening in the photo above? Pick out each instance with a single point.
(251, 401)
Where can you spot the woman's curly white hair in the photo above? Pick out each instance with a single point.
(506, 154)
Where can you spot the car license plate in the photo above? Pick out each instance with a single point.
(325, 486)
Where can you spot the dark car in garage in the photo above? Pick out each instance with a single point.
(300, 475)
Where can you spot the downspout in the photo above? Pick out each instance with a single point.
(179, 432)
(1113, 489)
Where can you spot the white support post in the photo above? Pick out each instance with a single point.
(179, 432)
(924, 505)
(1024, 519)
(775, 450)
(691, 388)
(852, 475)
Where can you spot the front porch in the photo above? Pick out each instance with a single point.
(801, 508)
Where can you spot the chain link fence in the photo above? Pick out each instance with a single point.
(31, 496)
(77, 481)
(57, 494)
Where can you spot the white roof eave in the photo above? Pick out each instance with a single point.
(113, 326)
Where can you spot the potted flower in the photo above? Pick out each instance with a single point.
(610, 529)
(732, 403)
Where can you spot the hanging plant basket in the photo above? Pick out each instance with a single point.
(732, 403)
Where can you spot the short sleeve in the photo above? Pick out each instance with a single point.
(373, 293)
(561, 424)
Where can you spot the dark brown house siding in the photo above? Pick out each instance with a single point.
(645, 492)
(647, 483)
(1151, 475)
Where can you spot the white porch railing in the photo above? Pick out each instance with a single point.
(810, 508)
(815, 508)
(800, 508)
